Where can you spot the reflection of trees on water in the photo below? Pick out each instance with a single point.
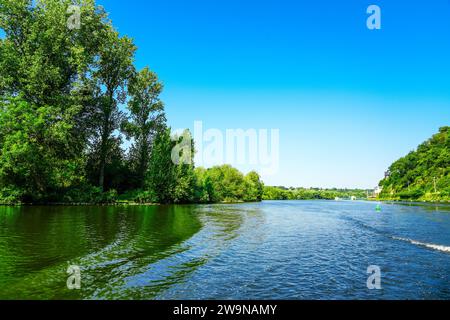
(124, 252)
(110, 244)
(225, 223)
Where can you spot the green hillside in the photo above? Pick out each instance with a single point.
(424, 174)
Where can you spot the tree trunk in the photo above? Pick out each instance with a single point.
(104, 145)
(101, 181)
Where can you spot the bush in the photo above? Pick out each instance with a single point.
(411, 195)
(138, 196)
(109, 196)
(10, 196)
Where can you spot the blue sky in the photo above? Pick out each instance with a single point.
(348, 101)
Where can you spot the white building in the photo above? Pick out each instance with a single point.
(377, 191)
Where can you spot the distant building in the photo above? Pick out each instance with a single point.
(377, 191)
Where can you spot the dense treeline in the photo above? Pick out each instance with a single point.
(69, 97)
(282, 193)
(423, 174)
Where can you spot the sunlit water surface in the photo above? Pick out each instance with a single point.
(269, 250)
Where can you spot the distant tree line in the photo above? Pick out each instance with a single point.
(68, 99)
(283, 193)
(423, 174)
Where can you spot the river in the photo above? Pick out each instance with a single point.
(268, 250)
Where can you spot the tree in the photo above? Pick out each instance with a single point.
(114, 69)
(29, 163)
(203, 186)
(161, 175)
(147, 118)
(185, 180)
(226, 184)
(60, 91)
(171, 174)
(42, 64)
(117, 172)
(423, 174)
(254, 187)
(42, 59)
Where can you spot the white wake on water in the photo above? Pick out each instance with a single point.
(424, 244)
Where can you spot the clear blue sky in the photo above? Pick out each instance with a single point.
(347, 101)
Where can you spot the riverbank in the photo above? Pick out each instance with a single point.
(415, 201)
(283, 193)
(133, 203)
(118, 204)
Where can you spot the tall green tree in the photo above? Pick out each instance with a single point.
(161, 176)
(117, 171)
(113, 70)
(171, 174)
(42, 59)
(254, 189)
(30, 166)
(147, 118)
(203, 186)
(183, 158)
(42, 65)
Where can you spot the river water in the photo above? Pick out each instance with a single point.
(268, 250)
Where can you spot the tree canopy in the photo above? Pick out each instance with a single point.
(69, 96)
(423, 174)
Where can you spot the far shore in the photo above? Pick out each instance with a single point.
(126, 204)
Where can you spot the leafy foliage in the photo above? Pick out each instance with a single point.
(423, 174)
(61, 129)
(281, 193)
(227, 184)
(161, 177)
(32, 157)
(113, 70)
(146, 120)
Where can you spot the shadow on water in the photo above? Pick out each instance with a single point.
(110, 244)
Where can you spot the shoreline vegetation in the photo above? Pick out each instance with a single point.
(283, 193)
(133, 203)
(423, 175)
(70, 97)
